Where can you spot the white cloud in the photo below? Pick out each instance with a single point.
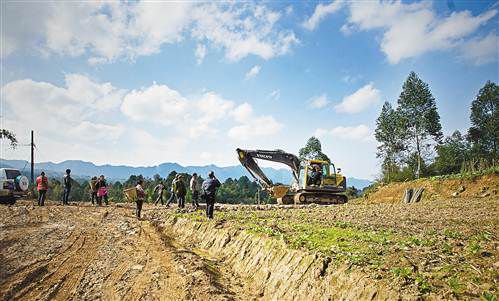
(252, 126)
(101, 96)
(242, 30)
(350, 79)
(213, 107)
(252, 72)
(191, 118)
(157, 103)
(274, 95)
(359, 100)
(77, 121)
(410, 30)
(355, 133)
(322, 11)
(243, 113)
(107, 31)
(481, 50)
(319, 102)
(200, 53)
(69, 113)
(210, 108)
(206, 156)
(89, 131)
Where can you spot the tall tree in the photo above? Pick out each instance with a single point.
(6, 134)
(451, 154)
(419, 117)
(484, 131)
(313, 150)
(388, 134)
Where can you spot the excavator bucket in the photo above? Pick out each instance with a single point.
(279, 191)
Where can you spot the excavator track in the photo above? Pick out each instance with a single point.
(306, 197)
(319, 198)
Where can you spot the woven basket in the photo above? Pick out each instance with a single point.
(131, 194)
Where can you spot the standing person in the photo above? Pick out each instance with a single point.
(141, 196)
(180, 191)
(67, 187)
(159, 188)
(193, 185)
(93, 190)
(172, 191)
(101, 187)
(209, 187)
(42, 183)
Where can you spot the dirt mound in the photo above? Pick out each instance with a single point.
(438, 188)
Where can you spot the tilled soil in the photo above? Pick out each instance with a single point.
(87, 253)
(445, 249)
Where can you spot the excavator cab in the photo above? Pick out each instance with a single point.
(330, 177)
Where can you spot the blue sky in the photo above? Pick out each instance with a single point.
(146, 83)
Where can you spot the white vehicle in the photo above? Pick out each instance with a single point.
(12, 185)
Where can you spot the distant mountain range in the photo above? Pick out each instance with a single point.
(82, 169)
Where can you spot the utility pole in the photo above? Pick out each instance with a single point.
(32, 159)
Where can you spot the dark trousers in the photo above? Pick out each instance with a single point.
(170, 200)
(210, 205)
(65, 196)
(195, 198)
(99, 199)
(41, 197)
(139, 207)
(94, 197)
(159, 199)
(181, 201)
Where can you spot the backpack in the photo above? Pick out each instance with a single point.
(210, 186)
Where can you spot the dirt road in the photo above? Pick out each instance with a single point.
(87, 253)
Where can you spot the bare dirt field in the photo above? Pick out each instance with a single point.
(443, 249)
(88, 253)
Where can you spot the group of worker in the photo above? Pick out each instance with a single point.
(42, 185)
(98, 190)
(178, 191)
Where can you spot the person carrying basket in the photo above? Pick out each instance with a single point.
(101, 187)
(141, 196)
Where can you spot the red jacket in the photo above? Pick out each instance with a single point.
(42, 183)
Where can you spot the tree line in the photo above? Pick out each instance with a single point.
(411, 143)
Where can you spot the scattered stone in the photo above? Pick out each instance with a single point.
(137, 267)
(486, 194)
(455, 194)
(461, 189)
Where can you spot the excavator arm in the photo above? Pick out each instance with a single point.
(247, 159)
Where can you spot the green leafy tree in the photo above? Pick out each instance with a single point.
(451, 154)
(6, 134)
(484, 130)
(313, 150)
(352, 192)
(420, 121)
(388, 133)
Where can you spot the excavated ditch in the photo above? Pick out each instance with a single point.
(275, 272)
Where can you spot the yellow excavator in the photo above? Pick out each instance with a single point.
(315, 181)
